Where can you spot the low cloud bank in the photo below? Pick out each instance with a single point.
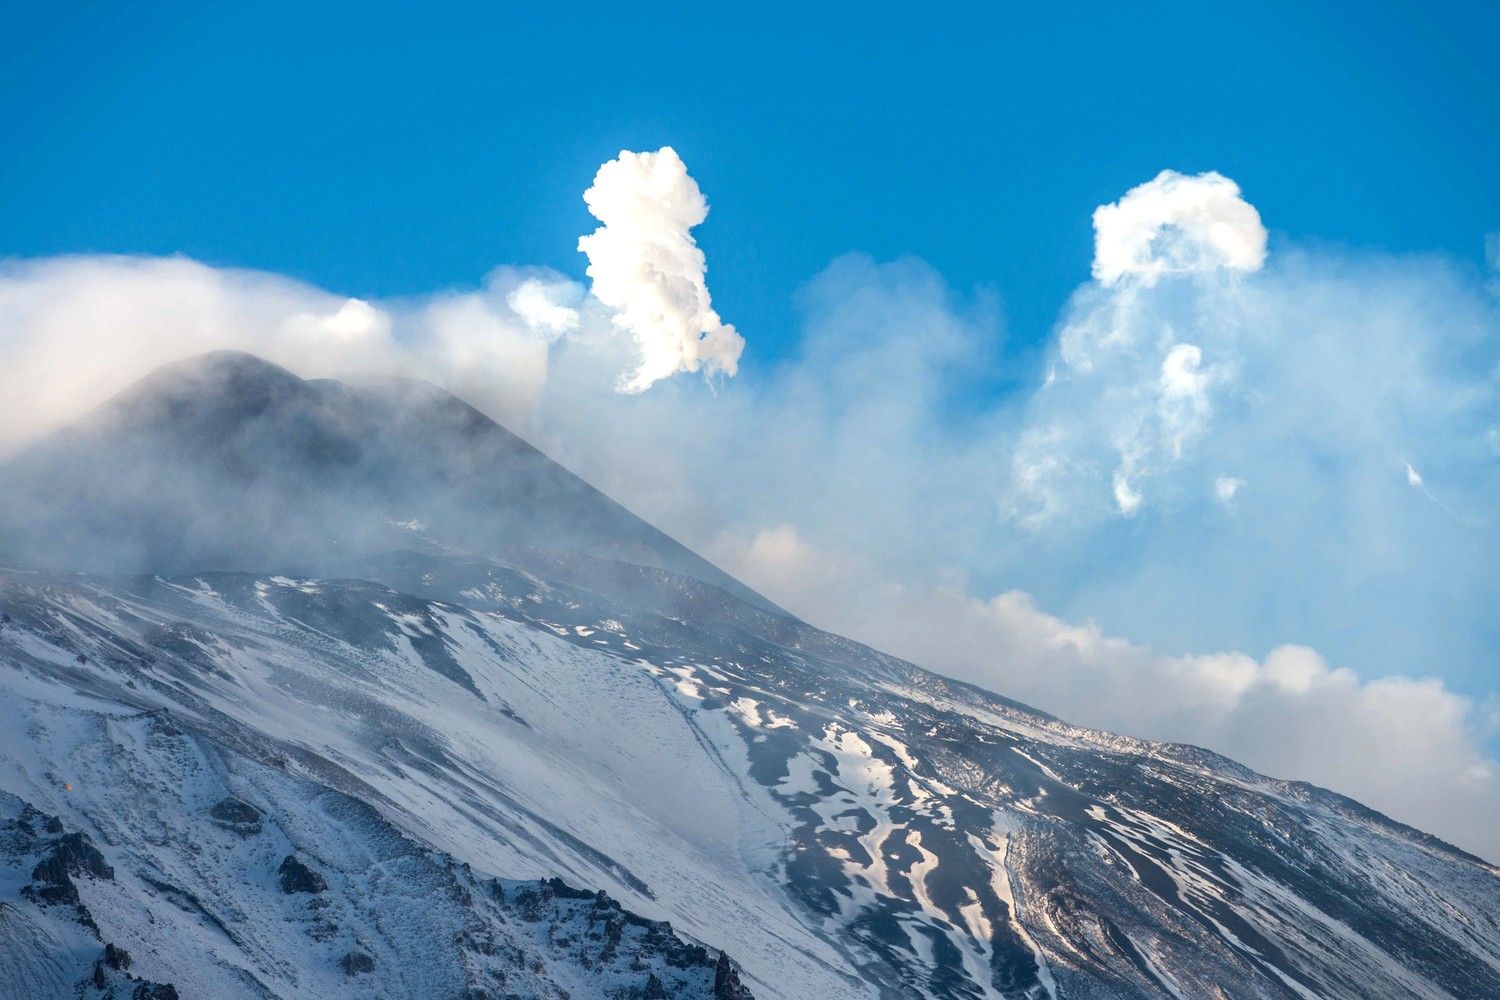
(75, 330)
(1408, 746)
(1224, 448)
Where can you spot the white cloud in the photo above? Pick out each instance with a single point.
(781, 556)
(75, 330)
(1127, 498)
(646, 266)
(1150, 440)
(1174, 224)
(1225, 487)
(538, 304)
(356, 320)
(484, 347)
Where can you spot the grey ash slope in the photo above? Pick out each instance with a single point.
(418, 723)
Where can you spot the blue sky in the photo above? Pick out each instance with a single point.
(376, 151)
(1246, 502)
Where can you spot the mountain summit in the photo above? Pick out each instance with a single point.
(228, 461)
(316, 690)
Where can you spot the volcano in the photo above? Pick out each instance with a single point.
(323, 689)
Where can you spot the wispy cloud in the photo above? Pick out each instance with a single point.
(1414, 479)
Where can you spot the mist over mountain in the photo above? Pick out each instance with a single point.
(324, 689)
(226, 460)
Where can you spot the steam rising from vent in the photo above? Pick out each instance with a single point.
(646, 266)
(1175, 224)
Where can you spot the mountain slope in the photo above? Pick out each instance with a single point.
(227, 878)
(849, 825)
(226, 460)
(410, 726)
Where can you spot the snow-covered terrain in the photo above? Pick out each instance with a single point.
(386, 779)
(840, 826)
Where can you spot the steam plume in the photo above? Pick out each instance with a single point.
(646, 266)
(1176, 223)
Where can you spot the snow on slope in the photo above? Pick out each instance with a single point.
(844, 824)
(227, 878)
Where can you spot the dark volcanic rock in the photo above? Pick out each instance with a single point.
(727, 981)
(297, 877)
(154, 991)
(71, 854)
(78, 856)
(232, 814)
(603, 932)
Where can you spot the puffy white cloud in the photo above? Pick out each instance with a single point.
(1176, 223)
(355, 320)
(645, 265)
